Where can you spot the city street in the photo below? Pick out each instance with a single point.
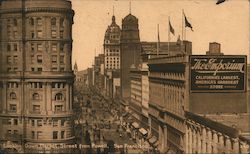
(97, 123)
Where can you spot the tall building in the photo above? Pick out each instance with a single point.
(112, 58)
(130, 51)
(36, 71)
(112, 46)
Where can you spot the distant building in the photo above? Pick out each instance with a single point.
(130, 51)
(214, 49)
(112, 59)
(36, 73)
(98, 73)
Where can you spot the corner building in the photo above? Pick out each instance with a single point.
(35, 71)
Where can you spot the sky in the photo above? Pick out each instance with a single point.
(227, 24)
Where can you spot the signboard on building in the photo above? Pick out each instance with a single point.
(210, 73)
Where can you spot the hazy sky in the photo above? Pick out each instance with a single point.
(227, 23)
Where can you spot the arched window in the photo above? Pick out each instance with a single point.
(53, 22)
(35, 96)
(61, 22)
(13, 95)
(59, 97)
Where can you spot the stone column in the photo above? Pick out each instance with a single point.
(236, 146)
(204, 133)
(215, 142)
(199, 142)
(221, 144)
(186, 139)
(209, 137)
(228, 145)
(67, 102)
(49, 97)
(190, 140)
(70, 96)
(165, 137)
(4, 99)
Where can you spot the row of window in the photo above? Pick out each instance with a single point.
(35, 108)
(111, 50)
(39, 34)
(12, 47)
(12, 59)
(36, 96)
(53, 22)
(34, 85)
(40, 47)
(38, 134)
(39, 59)
(54, 123)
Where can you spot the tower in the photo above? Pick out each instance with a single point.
(130, 51)
(36, 71)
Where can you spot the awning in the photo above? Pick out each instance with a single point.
(143, 131)
(135, 125)
(152, 140)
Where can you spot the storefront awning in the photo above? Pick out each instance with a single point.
(143, 131)
(135, 125)
(152, 140)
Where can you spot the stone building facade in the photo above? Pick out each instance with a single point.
(36, 71)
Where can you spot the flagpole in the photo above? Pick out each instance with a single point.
(168, 34)
(182, 15)
(158, 40)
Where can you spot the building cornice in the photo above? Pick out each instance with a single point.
(38, 9)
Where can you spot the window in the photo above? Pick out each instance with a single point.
(55, 123)
(61, 59)
(39, 69)
(61, 33)
(39, 34)
(9, 121)
(33, 135)
(55, 133)
(9, 59)
(39, 59)
(54, 59)
(53, 22)
(32, 69)
(39, 47)
(62, 134)
(15, 122)
(32, 47)
(53, 33)
(8, 69)
(35, 96)
(15, 22)
(15, 34)
(13, 95)
(32, 59)
(54, 68)
(62, 122)
(13, 107)
(9, 131)
(61, 47)
(58, 108)
(54, 47)
(59, 97)
(15, 132)
(36, 108)
(32, 122)
(61, 22)
(61, 69)
(39, 134)
(31, 21)
(32, 34)
(39, 123)
(8, 47)
(15, 47)
(15, 59)
(39, 22)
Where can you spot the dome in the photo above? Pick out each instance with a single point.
(130, 19)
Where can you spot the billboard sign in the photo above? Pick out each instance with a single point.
(218, 73)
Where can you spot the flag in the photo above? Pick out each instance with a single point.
(171, 29)
(220, 1)
(187, 23)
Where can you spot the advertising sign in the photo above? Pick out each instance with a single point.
(221, 73)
